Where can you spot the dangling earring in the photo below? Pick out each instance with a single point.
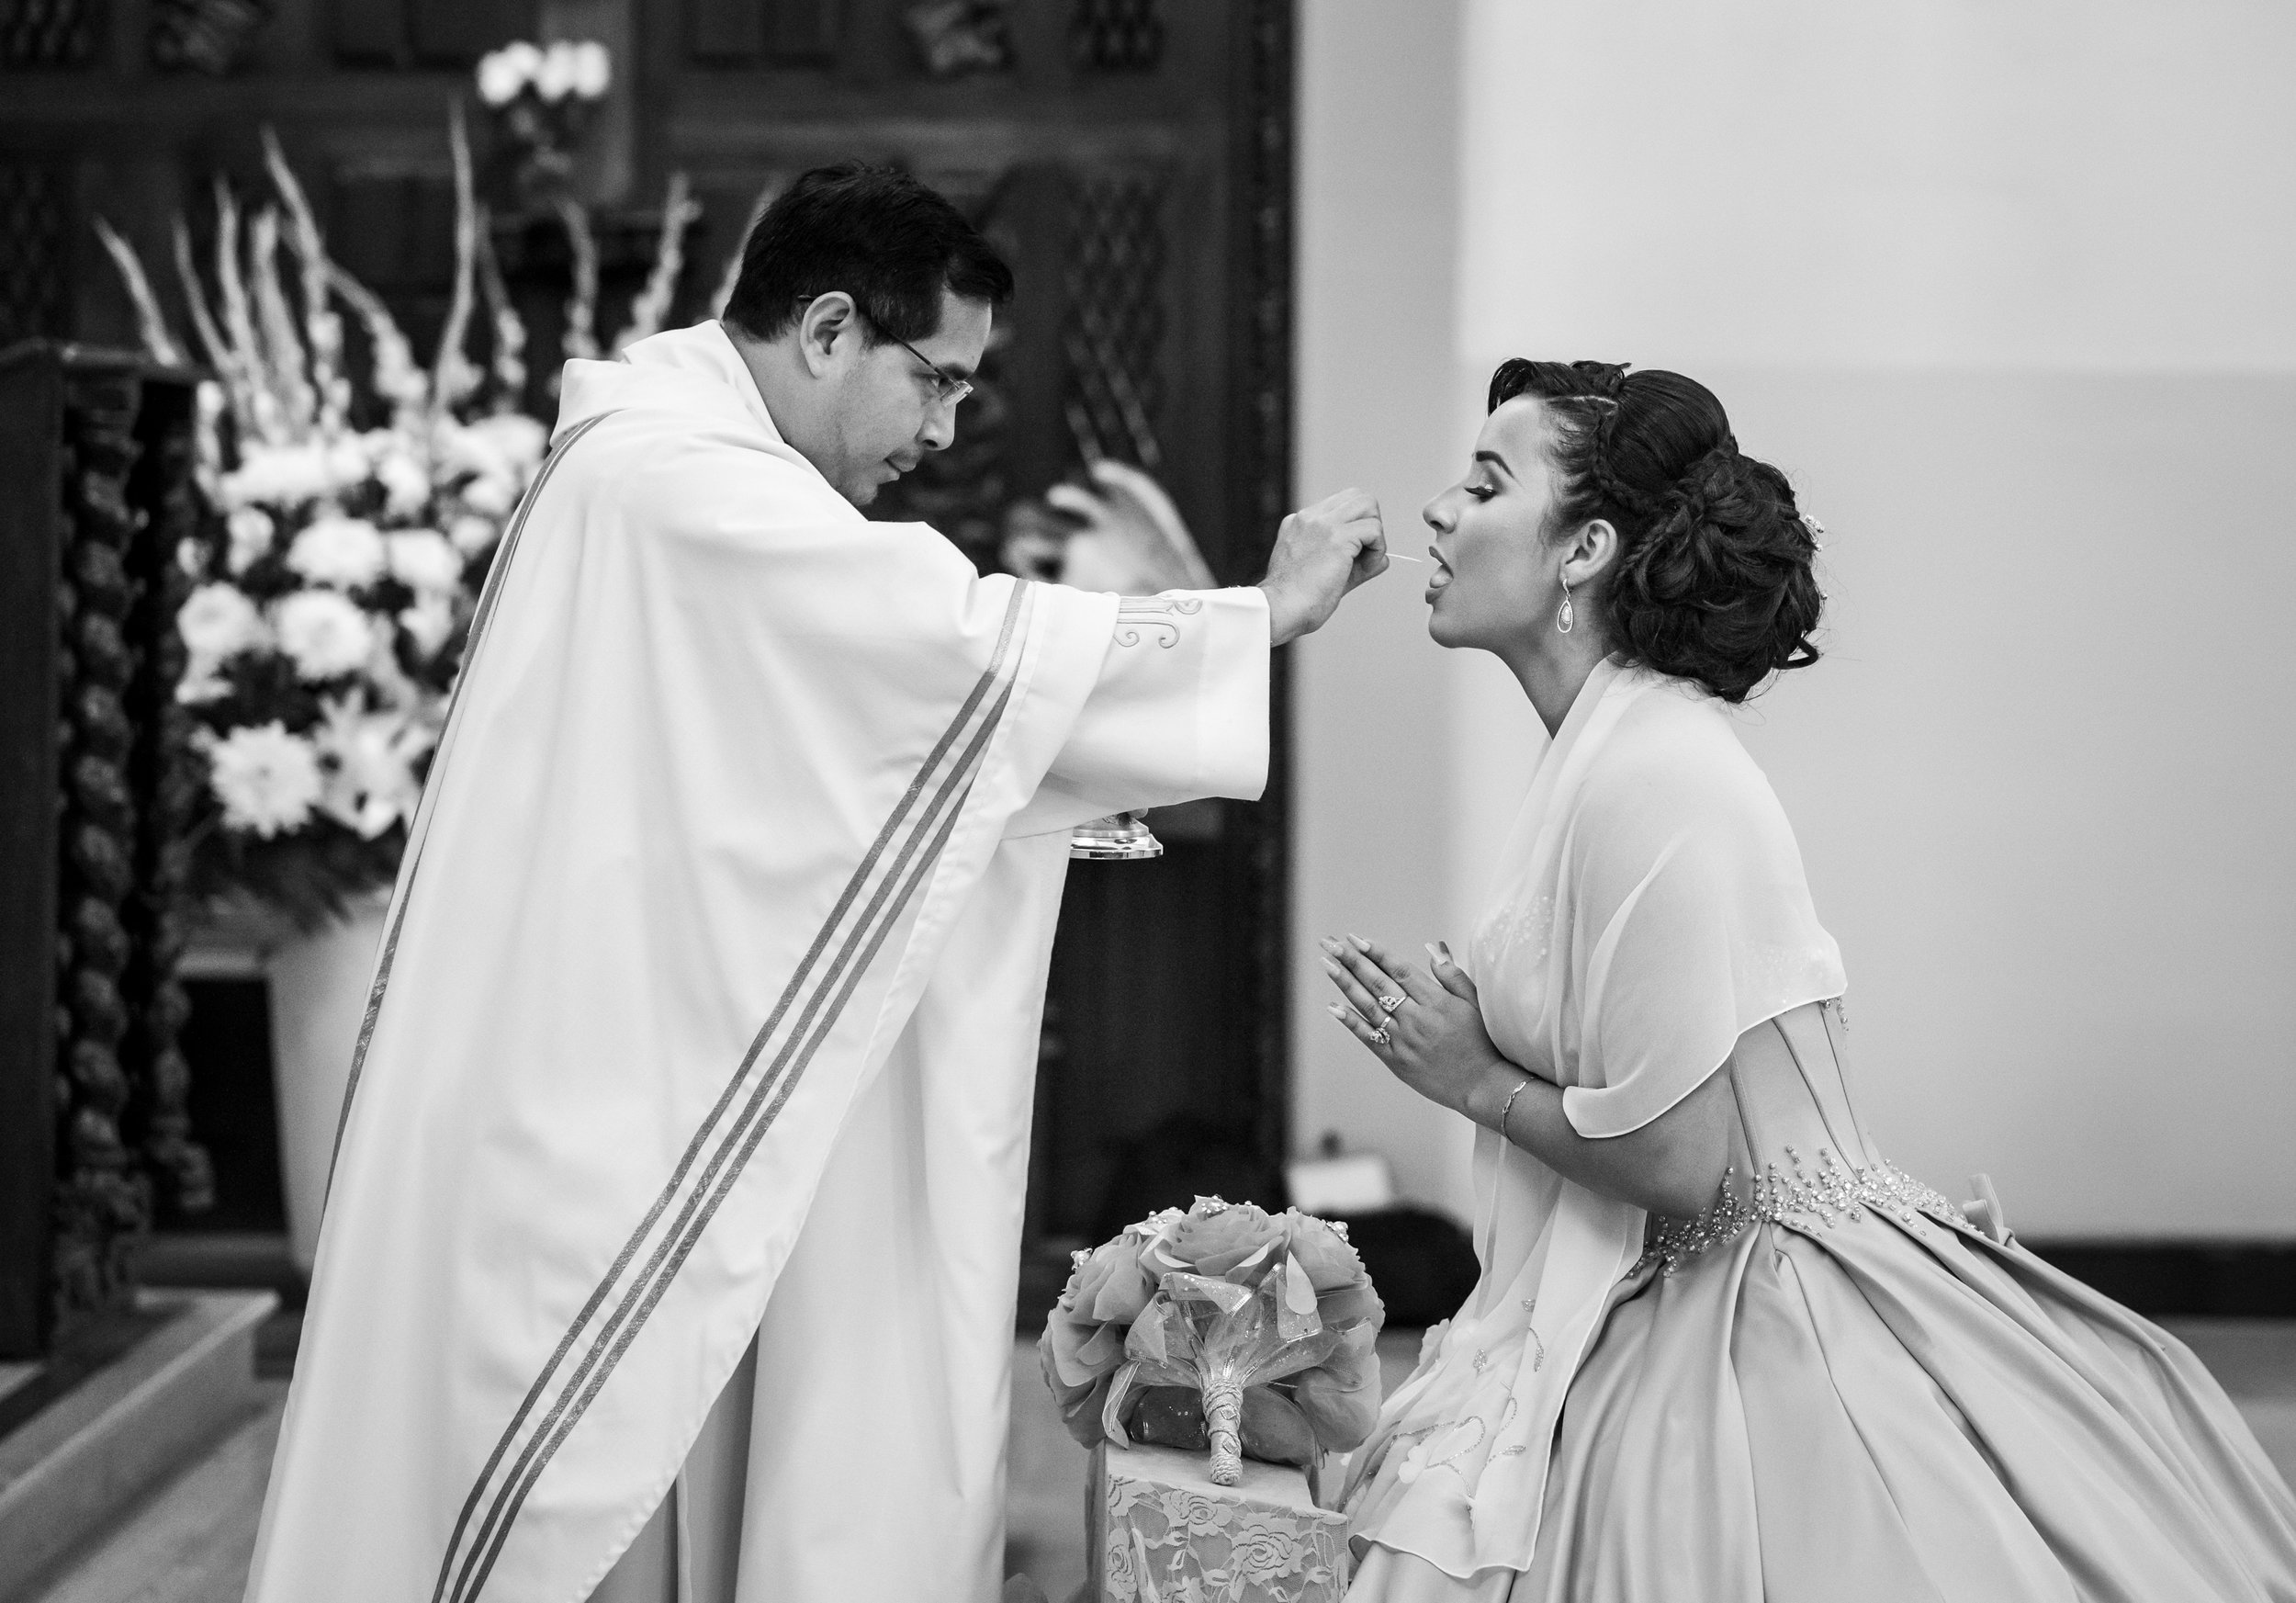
(1564, 615)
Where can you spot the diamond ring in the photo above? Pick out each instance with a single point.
(1388, 1004)
(1379, 1036)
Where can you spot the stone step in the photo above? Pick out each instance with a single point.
(72, 1471)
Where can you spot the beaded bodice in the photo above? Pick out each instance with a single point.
(1800, 1157)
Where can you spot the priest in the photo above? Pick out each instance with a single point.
(671, 1250)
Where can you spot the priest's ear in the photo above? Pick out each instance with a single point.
(828, 332)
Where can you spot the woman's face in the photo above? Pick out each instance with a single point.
(1495, 573)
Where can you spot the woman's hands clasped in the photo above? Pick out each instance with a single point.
(1424, 1023)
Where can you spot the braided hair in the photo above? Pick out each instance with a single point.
(1713, 582)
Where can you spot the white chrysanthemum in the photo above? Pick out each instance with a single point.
(472, 534)
(406, 482)
(594, 69)
(267, 780)
(425, 560)
(554, 80)
(323, 632)
(217, 622)
(252, 529)
(348, 463)
(428, 622)
(369, 781)
(346, 552)
(513, 437)
(277, 476)
(489, 497)
(503, 73)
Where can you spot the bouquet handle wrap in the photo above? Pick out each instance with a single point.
(1219, 1336)
(1223, 1411)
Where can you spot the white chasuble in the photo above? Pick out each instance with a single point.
(707, 1013)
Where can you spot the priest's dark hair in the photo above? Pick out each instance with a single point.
(875, 233)
(1713, 582)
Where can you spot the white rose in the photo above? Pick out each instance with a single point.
(428, 623)
(423, 560)
(279, 475)
(346, 552)
(594, 69)
(325, 635)
(501, 75)
(490, 496)
(472, 534)
(267, 779)
(251, 528)
(510, 438)
(217, 622)
(555, 78)
(406, 483)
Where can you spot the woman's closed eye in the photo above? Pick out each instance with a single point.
(1483, 492)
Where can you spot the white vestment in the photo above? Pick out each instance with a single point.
(732, 891)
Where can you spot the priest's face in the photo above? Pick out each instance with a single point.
(1495, 579)
(885, 404)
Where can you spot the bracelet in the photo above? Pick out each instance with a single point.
(1508, 1106)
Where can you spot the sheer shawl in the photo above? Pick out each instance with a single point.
(1649, 906)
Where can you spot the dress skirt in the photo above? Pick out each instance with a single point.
(1887, 1409)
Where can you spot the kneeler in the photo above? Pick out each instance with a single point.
(1159, 1531)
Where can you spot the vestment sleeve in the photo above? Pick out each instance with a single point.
(1178, 711)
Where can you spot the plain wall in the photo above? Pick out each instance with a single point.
(2005, 291)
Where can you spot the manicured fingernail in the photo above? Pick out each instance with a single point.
(1332, 968)
(1361, 944)
(1337, 1012)
(1326, 942)
(1435, 958)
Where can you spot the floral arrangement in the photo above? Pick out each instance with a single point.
(1223, 1327)
(351, 515)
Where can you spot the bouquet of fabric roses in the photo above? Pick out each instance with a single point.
(1224, 1326)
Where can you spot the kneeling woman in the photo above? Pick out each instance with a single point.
(1721, 1349)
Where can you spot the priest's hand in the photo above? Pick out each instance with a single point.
(1321, 552)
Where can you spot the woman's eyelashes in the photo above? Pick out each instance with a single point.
(1483, 492)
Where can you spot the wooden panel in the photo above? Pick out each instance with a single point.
(369, 33)
(803, 30)
(456, 33)
(725, 32)
(31, 420)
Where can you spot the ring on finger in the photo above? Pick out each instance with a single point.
(1379, 1036)
(1388, 1004)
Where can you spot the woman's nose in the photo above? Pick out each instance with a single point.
(1438, 516)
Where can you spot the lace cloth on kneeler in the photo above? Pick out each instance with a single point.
(1167, 1544)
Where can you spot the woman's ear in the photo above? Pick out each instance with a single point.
(1588, 554)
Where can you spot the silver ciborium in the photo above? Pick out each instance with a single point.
(1118, 838)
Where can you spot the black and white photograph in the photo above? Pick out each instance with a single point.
(1147, 801)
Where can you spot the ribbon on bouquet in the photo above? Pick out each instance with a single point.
(1218, 1337)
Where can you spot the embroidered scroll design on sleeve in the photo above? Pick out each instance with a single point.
(1158, 613)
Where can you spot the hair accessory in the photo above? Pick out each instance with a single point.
(1816, 531)
(1564, 615)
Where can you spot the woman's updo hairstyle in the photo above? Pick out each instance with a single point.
(1712, 580)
